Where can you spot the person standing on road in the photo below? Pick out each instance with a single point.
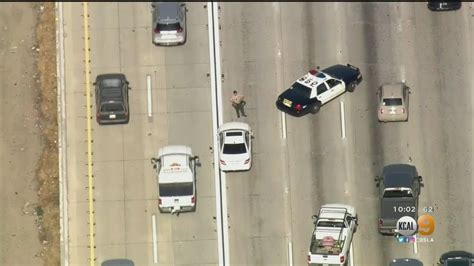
(238, 103)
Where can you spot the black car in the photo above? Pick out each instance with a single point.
(111, 95)
(444, 6)
(406, 262)
(456, 258)
(118, 262)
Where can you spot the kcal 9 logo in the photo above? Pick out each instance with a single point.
(426, 225)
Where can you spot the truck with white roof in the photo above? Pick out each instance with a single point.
(176, 174)
(334, 228)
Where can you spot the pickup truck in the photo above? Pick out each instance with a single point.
(316, 88)
(175, 168)
(334, 227)
(399, 188)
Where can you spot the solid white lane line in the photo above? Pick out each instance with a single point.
(290, 254)
(155, 242)
(62, 143)
(343, 121)
(148, 89)
(217, 120)
(283, 125)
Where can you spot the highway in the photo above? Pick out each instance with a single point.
(266, 46)
(125, 185)
(298, 163)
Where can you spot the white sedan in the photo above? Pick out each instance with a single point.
(235, 146)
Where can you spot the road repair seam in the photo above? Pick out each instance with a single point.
(285, 156)
(62, 136)
(216, 97)
(347, 141)
(90, 176)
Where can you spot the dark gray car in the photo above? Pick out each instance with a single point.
(406, 262)
(111, 95)
(444, 5)
(456, 258)
(118, 262)
(169, 23)
(399, 188)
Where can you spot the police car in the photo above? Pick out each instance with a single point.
(316, 88)
(176, 173)
(235, 146)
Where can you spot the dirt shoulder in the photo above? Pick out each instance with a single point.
(28, 196)
(47, 172)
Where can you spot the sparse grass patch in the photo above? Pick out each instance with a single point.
(47, 213)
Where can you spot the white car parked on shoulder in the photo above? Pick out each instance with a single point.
(176, 173)
(235, 146)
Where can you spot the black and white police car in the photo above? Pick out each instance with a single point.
(316, 88)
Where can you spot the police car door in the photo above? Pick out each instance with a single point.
(336, 87)
(323, 94)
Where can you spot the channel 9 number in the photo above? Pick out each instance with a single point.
(426, 225)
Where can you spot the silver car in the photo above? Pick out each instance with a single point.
(393, 102)
(169, 23)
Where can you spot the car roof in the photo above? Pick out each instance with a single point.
(175, 149)
(398, 175)
(234, 126)
(392, 90)
(118, 262)
(110, 76)
(168, 10)
(406, 262)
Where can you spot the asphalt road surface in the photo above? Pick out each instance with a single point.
(20, 143)
(125, 185)
(265, 47)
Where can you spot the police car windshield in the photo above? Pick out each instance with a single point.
(176, 189)
(234, 148)
(321, 75)
(301, 90)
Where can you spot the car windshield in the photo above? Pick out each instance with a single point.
(392, 101)
(460, 262)
(112, 107)
(233, 134)
(321, 75)
(112, 83)
(234, 148)
(176, 189)
(339, 224)
(168, 27)
(397, 194)
(301, 90)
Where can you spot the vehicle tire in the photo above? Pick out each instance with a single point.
(351, 87)
(315, 108)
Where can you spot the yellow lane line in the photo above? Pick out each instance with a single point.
(89, 134)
